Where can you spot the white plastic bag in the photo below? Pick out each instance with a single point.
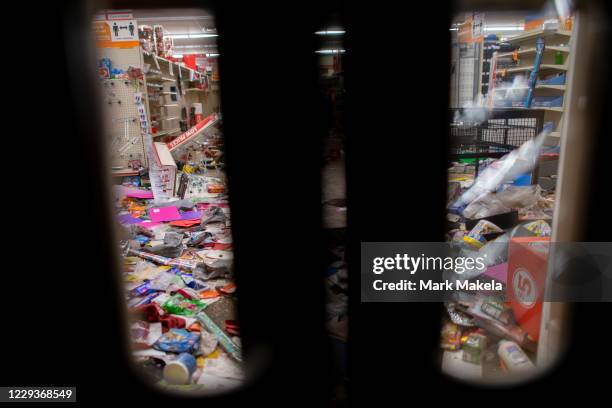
(504, 170)
(498, 203)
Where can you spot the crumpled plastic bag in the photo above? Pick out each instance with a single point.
(224, 366)
(213, 214)
(164, 250)
(167, 281)
(208, 342)
(494, 252)
(504, 170)
(214, 268)
(498, 203)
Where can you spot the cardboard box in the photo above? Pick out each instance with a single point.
(162, 173)
(527, 265)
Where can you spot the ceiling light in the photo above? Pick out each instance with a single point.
(504, 28)
(196, 46)
(330, 32)
(329, 51)
(203, 35)
(186, 36)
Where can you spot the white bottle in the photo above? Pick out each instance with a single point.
(514, 358)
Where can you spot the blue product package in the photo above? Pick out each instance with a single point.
(175, 270)
(188, 279)
(141, 290)
(132, 180)
(105, 63)
(142, 300)
(523, 180)
(178, 341)
(553, 80)
(548, 101)
(142, 239)
(457, 207)
(548, 126)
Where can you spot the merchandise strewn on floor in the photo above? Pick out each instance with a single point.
(159, 81)
(505, 122)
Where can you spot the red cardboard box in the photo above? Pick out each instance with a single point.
(527, 265)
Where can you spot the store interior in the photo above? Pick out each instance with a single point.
(511, 74)
(159, 93)
(159, 90)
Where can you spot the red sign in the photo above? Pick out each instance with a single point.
(192, 133)
(527, 262)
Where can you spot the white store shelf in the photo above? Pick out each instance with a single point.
(532, 50)
(533, 34)
(166, 132)
(528, 68)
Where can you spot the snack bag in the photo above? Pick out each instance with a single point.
(476, 236)
(180, 305)
(178, 341)
(539, 228)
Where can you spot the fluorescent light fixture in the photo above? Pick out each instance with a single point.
(177, 55)
(203, 35)
(200, 52)
(196, 46)
(188, 36)
(504, 28)
(329, 51)
(453, 29)
(330, 32)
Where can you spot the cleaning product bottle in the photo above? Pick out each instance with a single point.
(514, 358)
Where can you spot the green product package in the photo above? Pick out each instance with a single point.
(474, 348)
(180, 305)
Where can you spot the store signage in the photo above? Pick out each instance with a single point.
(116, 33)
(114, 15)
(193, 132)
(478, 25)
(471, 29)
(162, 182)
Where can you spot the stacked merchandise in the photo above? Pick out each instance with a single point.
(177, 271)
(493, 335)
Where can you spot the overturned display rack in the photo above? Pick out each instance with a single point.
(476, 133)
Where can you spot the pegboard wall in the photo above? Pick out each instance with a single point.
(122, 123)
(168, 92)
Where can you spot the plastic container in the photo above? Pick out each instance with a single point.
(514, 358)
(179, 371)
